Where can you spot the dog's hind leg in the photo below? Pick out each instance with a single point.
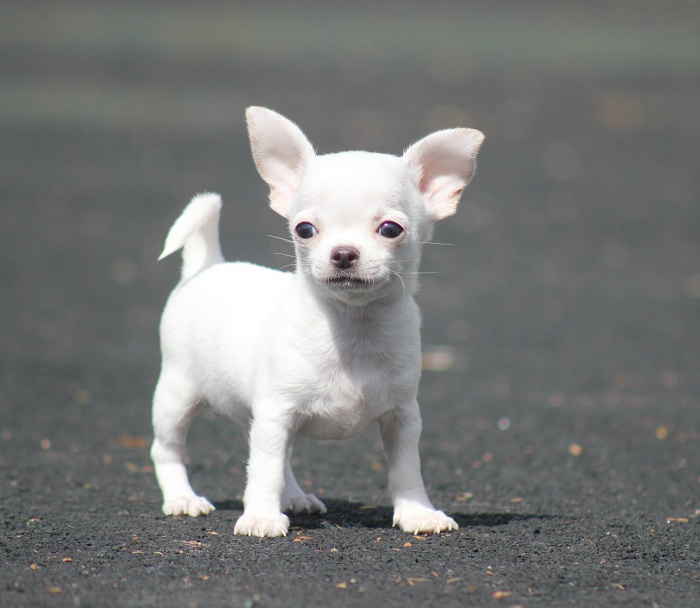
(294, 499)
(174, 407)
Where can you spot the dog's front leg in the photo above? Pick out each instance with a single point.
(262, 515)
(413, 511)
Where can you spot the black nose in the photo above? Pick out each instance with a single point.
(344, 257)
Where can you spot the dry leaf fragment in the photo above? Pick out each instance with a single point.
(499, 595)
(52, 590)
(661, 433)
(194, 544)
(341, 586)
(413, 581)
(134, 443)
(464, 496)
(439, 359)
(618, 586)
(301, 539)
(575, 449)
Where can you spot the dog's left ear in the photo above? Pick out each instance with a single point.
(442, 164)
(281, 153)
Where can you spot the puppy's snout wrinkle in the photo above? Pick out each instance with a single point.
(344, 257)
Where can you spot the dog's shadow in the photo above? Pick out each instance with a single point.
(350, 514)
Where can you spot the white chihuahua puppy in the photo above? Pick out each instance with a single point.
(322, 352)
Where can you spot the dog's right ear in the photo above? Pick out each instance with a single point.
(281, 153)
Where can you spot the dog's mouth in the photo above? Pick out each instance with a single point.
(347, 281)
(351, 287)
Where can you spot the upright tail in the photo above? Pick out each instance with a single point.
(196, 231)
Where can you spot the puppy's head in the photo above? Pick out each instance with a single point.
(358, 219)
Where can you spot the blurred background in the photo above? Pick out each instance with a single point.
(561, 326)
(574, 270)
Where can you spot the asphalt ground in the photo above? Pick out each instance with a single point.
(561, 327)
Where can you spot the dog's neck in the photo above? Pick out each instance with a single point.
(368, 335)
(376, 311)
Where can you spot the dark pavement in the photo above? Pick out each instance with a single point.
(561, 329)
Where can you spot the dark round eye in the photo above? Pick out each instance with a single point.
(305, 230)
(390, 230)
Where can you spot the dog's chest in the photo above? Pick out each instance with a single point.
(348, 393)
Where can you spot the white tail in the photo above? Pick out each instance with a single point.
(196, 231)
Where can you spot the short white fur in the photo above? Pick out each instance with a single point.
(323, 352)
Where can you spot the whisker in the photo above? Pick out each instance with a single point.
(286, 255)
(279, 238)
(434, 243)
(400, 278)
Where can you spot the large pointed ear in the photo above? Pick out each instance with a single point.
(442, 164)
(281, 153)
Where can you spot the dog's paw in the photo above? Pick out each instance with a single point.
(418, 519)
(252, 524)
(303, 503)
(188, 505)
